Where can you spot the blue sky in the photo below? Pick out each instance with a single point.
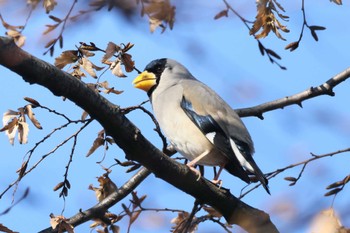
(223, 55)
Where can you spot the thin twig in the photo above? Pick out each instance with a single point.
(303, 163)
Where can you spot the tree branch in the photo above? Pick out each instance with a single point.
(130, 139)
(323, 89)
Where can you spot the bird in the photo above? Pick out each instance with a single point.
(198, 123)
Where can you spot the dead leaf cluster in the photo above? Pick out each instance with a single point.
(60, 223)
(106, 187)
(266, 20)
(160, 13)
(81, 61)
(15, 121)
(133, 210)
(14, 32)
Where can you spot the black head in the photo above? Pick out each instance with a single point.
(157, 66)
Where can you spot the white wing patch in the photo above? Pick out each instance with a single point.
(211, 136)
(244, 163)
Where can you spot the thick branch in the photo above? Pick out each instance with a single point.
(323, 89)
(130, 139)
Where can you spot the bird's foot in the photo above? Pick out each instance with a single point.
(198, 173)
(217, 182)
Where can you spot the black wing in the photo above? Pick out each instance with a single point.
(215, 134)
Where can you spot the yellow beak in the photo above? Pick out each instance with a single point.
(145, 81)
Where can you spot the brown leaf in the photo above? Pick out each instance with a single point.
(10, 125)
(273, 53)
(316, 28)
(292, 46)
(96, 144)
(56, 19)
(84, 115)
(110, 51)
(49, 5)
(314, 35)
(88, 67)
(333, 192)
(134, 216)
(58, 186)
(23, 131)
(223, 13)
(21, 171)
(127, 47)
(65, 58)
(117, 69)
(31, 115)
(8, 26)
(338, 2)
(60, 222)
(290, 178)
(34, 102)
(127, 62)
(126, 209)
(50, 28)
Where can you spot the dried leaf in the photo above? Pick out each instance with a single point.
(60, 40)
(292, 46)
(34, 102)
(11, 133)
(17, 37)
(23, 131)
(117, 69)
(290, 178)
(88, 47)
(338, 2)
(112, 90)
(326, 222)
(273, 53)
(316, 28)
(107, 186)
(333, 192)
(60, 222)
(88, 67)
(10, 125)
(31, 115)
(56, 19)
(65, 58)
(261, 48)
(110, 51)
(314, 35)
(266, 20)
(8, 26)
(134, 216)
(223, 13)
(84, 115)
(213, 212)
(49, 5)
(49, 29)
(96, 144)
(21, 171)
(126, 209)
(58, 186)
(127, 47)
(127, 62)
